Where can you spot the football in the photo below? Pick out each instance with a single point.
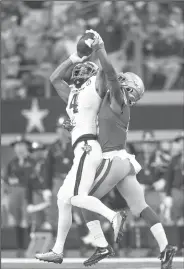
(82, 48)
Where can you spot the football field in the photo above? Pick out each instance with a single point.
(77, 263)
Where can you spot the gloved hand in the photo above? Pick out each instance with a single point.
(95, 44)
(67, 124)
(76, 59)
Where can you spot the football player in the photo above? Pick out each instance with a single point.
(114, 119)
(124, 90)
(83, 98)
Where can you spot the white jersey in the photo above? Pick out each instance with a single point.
(82, 108)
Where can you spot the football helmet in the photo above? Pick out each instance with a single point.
(133, 85)
(82, 72)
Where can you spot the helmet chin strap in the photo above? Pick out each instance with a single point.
(125, 96)
(131, 100)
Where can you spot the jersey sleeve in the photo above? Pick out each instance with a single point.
(117, 96)
(101, 84)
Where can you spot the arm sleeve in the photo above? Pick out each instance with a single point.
(111, 75)
(101, 84)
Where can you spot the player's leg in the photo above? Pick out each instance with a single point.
(121, 167)
(133, 193)
(64, 217)
(65, 193)
(53, 209)
(110, 176)
(64, 205)
(64, 225)
(100, 188)
(19, 221)
(84, 183)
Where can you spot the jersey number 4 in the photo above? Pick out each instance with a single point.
(74, 103)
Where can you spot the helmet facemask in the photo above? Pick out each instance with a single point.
(82, 72)
(132, 86)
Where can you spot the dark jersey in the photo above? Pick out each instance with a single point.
(20, 174)
(58, 162)
(112, 127)
(175, 177)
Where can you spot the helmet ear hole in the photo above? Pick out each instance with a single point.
(133, 84)
(129, 89)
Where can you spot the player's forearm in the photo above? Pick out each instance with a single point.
(105, 63)
(61, 70)
(111, 75)
(58, 78)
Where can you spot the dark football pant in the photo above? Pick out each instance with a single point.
(18, 210)
(18, 206)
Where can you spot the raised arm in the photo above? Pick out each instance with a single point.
(110, 74)
(57, 79)
(101, 84)
(59, 75)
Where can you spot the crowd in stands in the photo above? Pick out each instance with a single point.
(36, 36)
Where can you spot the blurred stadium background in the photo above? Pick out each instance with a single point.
(146, 38)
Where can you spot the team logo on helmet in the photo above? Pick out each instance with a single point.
(82, 72)
(133, 85)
